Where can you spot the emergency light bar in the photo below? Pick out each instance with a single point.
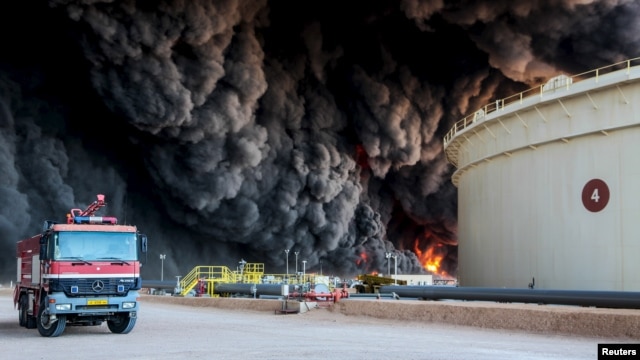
(95, 220)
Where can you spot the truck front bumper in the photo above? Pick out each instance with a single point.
(61, 304)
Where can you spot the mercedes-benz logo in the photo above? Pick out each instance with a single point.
(97, 285)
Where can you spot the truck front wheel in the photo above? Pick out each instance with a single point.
(123, 324)
(49, 328)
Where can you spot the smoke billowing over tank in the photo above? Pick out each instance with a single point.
(237, 129)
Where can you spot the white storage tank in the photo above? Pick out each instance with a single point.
(549, 185)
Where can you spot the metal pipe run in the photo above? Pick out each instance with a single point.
(288, 291)
(374, 296)
(158, 284)
(248, 289)
(604, 299)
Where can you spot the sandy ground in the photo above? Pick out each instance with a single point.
(224, 328)
(532, 318)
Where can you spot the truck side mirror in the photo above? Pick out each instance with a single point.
(142, 239)
(43, 247)
(143, 243)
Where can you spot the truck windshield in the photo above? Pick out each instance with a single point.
(86, 245)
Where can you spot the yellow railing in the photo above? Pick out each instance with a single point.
(208, 273)
(566, 82)
(292, 279)
(251, 273)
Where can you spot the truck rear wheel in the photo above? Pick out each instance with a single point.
(49, 328)
(31, 322)
(26, 320)
(22, 313)
(122, 325)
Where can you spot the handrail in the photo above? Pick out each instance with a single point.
(218, 273)
(564, 81)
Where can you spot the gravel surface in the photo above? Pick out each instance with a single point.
(180, 328)
(532, 318)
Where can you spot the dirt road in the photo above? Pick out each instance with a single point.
(168, 330)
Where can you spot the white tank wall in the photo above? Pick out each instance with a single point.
(521, 172)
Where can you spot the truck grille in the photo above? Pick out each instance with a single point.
(96, 286)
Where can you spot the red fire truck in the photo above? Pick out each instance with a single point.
(82, 272)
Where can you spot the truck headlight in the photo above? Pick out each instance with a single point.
(63, 307)
(129, 305)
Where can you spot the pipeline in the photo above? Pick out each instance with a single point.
(157, 284)
(223, 288)
(247, 289)
(374, 296)
(262, 290)
(604, 299)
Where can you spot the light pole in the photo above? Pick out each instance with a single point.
(304, 265)
(395, 264)
(388, 256)
(162, 257)
(242, 263)
(297, 253)
(287, 252)
(320, 267)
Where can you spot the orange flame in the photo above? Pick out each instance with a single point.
(430, 259)
(363, 258)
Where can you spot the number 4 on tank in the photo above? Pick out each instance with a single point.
(595, 195)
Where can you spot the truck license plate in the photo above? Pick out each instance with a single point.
(97, 302)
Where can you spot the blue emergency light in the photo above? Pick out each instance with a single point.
(95, 220)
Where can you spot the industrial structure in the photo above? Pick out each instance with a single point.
(314, 290)
(250, 280)
(547, 180)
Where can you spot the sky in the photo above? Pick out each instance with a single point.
(234, 130)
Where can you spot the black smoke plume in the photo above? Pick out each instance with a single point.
(230, 130)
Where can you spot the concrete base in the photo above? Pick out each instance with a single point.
(291, 307)
(296, 307)
(307, 306)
